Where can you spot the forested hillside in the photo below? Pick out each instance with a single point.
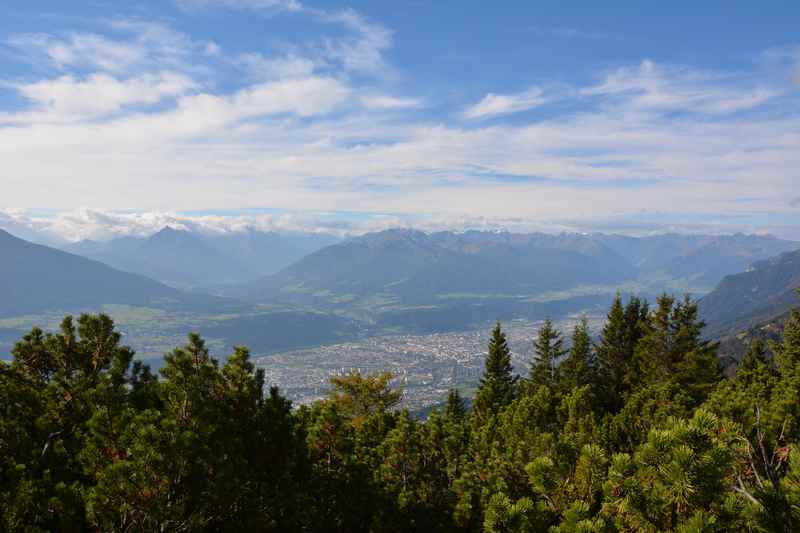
(638, 431)
(766, 291)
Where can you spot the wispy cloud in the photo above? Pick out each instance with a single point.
(137, 46)
(503, 104)
(68, 98)
(286, 66)
(363, 50)
(258, 5)
(650, 86)
(390, 102)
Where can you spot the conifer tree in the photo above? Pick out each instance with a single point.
(787, 353)
(580, 366)
(695, 363)
(755, 357)
(636, 313)
(497, 386)
(455, 408)
(613, 355)
(360, 396)
(548, 349)
(755, 363)
(654, 353)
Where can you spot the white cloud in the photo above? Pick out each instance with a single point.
(304, 97)
(390, 102)
(66, 97)
(504, 104)
(287, 66)
(360, 51)
(363, 51)
(138, 46)
(83, 50)
(650, 86)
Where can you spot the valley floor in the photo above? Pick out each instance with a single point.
(425, 366)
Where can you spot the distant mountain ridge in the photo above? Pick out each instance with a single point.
(415, 265)
(705, 259)
(186, 259)
(476, 273)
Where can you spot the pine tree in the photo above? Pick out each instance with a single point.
(613, 355)
(580, 366)
(455, 409)
(754, 363)
(548, 349)
(696, 364)
(497, 386)
(636, 313)
(787, 353)
(360, 396)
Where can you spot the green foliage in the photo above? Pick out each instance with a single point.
(455, 408)
(619, 370)
(498, 385)
(548, 349)
(359, 397)
(637, 433)
(580, 366)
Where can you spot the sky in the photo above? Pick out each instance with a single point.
(120, 117)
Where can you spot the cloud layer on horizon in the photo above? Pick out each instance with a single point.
(59, 227)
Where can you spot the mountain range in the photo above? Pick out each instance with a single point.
(392, 281)
(38, 282)
(413, 266)
(186, 259)
(407, 278)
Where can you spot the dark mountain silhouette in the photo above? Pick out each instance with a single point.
(36, 278)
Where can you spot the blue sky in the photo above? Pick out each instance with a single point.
(116, 117)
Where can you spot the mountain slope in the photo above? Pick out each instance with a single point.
(764, 292)
(413, 266)
(38, 278)
(701, 259)
(182, 259)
